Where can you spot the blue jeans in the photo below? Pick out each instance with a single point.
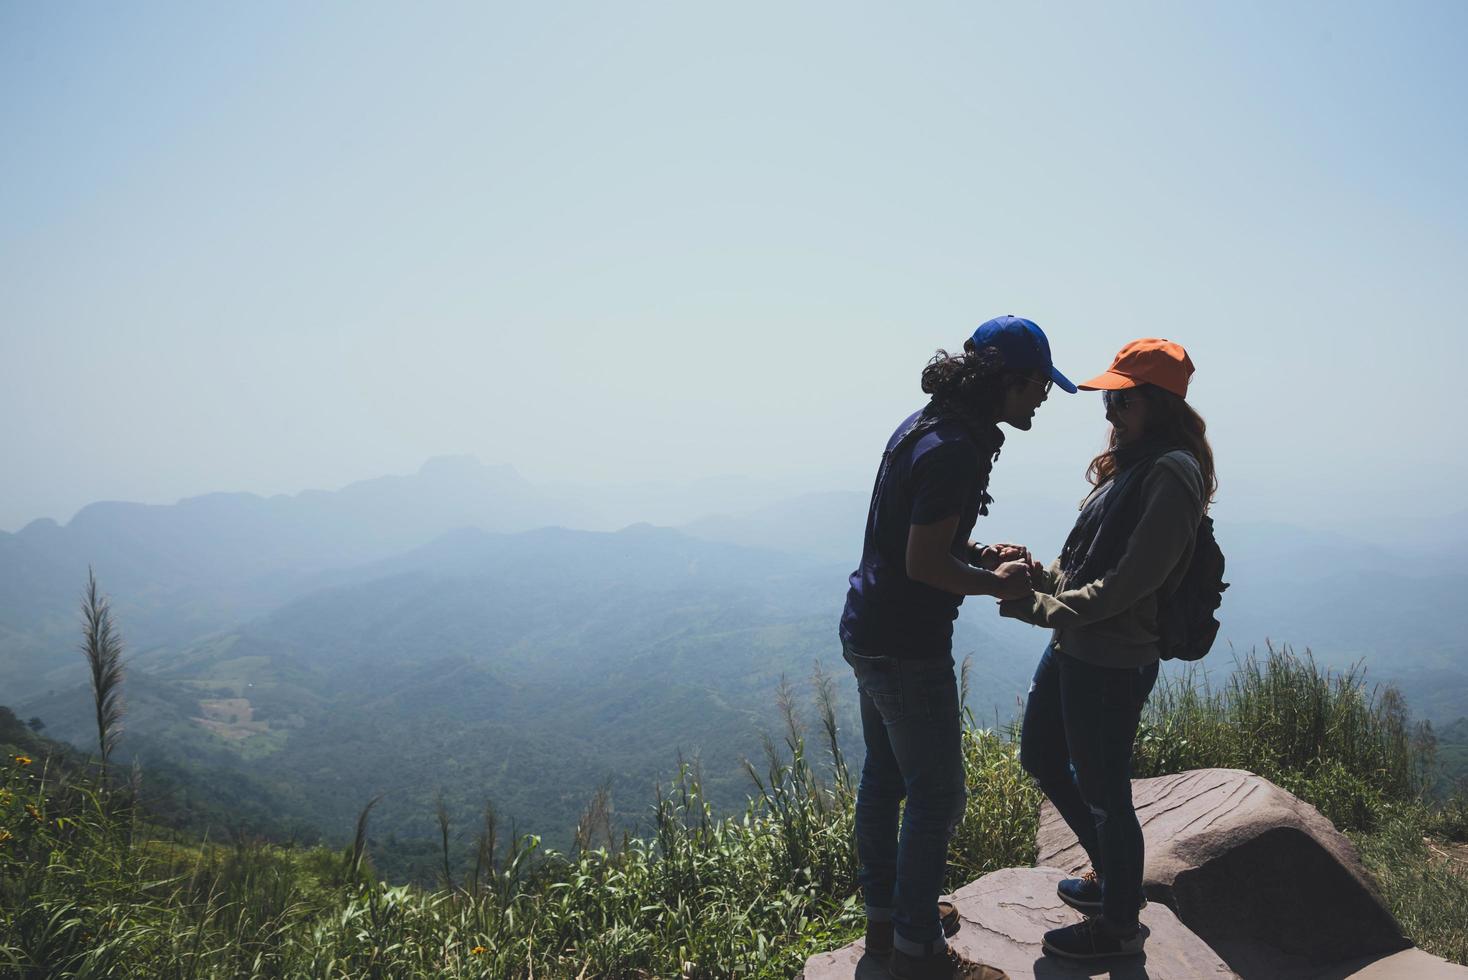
(1080, 723)
(910, 721)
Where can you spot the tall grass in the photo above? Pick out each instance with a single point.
(1325, 736)
(699, 896)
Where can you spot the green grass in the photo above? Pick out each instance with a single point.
(88, 889)
(1425, 891)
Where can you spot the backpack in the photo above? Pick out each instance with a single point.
(1185, 619)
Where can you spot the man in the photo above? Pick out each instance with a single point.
(917, 566)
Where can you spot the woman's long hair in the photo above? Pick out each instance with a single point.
(1172, 421)
(968, 386)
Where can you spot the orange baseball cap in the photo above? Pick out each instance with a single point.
(1149, 361)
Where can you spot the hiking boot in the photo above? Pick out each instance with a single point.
(1084, 893)
(1091, 940)
(879, 934)
(946, 964)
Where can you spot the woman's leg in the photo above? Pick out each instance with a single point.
(1102, 708)
(1045, 756)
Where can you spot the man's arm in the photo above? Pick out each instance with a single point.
(931, 560)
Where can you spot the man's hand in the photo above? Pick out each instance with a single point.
(1013, 580)
(991, 556)
(933, 559)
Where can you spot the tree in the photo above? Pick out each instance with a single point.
(36, 724)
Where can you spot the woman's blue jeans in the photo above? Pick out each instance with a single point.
(1080, 723)
(911, 723)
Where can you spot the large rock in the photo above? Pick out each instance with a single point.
(1006, 914)
(1256, 873)
(1245, 881)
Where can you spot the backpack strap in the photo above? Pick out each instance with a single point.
(1120, 511)
(919, 425)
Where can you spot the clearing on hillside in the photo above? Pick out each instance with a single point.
(232, 718)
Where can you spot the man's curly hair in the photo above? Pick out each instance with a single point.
(969, 386)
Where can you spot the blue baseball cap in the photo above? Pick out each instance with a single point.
(1023, 346)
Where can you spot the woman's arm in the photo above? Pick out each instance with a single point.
(1043, 581)
(1172, 506)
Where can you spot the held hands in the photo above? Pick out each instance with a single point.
(1015, 571)
(991, 556)
(1012, 580)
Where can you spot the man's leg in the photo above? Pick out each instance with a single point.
(1045, 755)
(926, 736)
(880, 791)
(1102, 708)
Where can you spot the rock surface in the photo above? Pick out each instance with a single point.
(1005, 915)
(1409, 964)
(1257, 873)
(1245, 880)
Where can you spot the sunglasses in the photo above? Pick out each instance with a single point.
(1047, 383)
(1117, 400)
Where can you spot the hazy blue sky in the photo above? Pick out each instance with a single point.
(272, 246)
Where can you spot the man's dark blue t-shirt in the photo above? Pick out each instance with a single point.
(932, 477)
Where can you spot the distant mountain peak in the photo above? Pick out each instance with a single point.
(451, 465)
(651, 532)
(466, 467)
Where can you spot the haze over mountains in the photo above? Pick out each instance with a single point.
(446, 632)
(177, 570)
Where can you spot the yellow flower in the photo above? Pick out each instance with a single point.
(22, 760)
(6, 797)
(477, 950)
(5, 836)
(31, 809)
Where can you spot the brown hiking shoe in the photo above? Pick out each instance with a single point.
(879, 934)
(946, 964)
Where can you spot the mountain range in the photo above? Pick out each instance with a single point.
(431, 636)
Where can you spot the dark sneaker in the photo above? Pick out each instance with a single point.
(1084, 893)
(879, 934)
(946, 964)
(1091, 940)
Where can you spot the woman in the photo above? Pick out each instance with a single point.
(1130, 545)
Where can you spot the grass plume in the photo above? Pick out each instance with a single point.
(359, 840)
(102, 646)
